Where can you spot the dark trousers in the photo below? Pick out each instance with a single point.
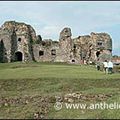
(110, 70)
(98, 67)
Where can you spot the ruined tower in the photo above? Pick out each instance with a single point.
(65, 44)
(16, 41)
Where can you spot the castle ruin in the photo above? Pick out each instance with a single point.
(19, 42)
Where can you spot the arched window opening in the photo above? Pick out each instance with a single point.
(19, 39)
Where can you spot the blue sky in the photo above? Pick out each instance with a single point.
(83, 17)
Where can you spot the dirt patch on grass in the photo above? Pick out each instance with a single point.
(43, 104)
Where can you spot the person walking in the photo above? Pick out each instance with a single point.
(110, 67)
(105, 65)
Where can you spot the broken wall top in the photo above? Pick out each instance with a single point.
(94, 38)
(65, 33)
(20, 29)
(9, 27)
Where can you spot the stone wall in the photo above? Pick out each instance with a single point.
(18, 42)
(47, 50)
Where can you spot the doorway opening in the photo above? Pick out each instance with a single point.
(18, 56)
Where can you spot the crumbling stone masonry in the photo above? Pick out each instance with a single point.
(18, 42)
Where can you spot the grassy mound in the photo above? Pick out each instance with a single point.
(28, 89)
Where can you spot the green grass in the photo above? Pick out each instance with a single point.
(51, 79)
(42, 70)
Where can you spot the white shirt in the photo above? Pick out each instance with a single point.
(105, 64)
(110, 64)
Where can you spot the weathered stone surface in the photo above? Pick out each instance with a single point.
(18, 42)
(65, 44)
(93, 47)
(47, 50)
(65, 33)
(39, 39)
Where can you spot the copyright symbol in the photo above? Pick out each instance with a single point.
(58, 106)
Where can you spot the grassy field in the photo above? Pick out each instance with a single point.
(28, 88)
